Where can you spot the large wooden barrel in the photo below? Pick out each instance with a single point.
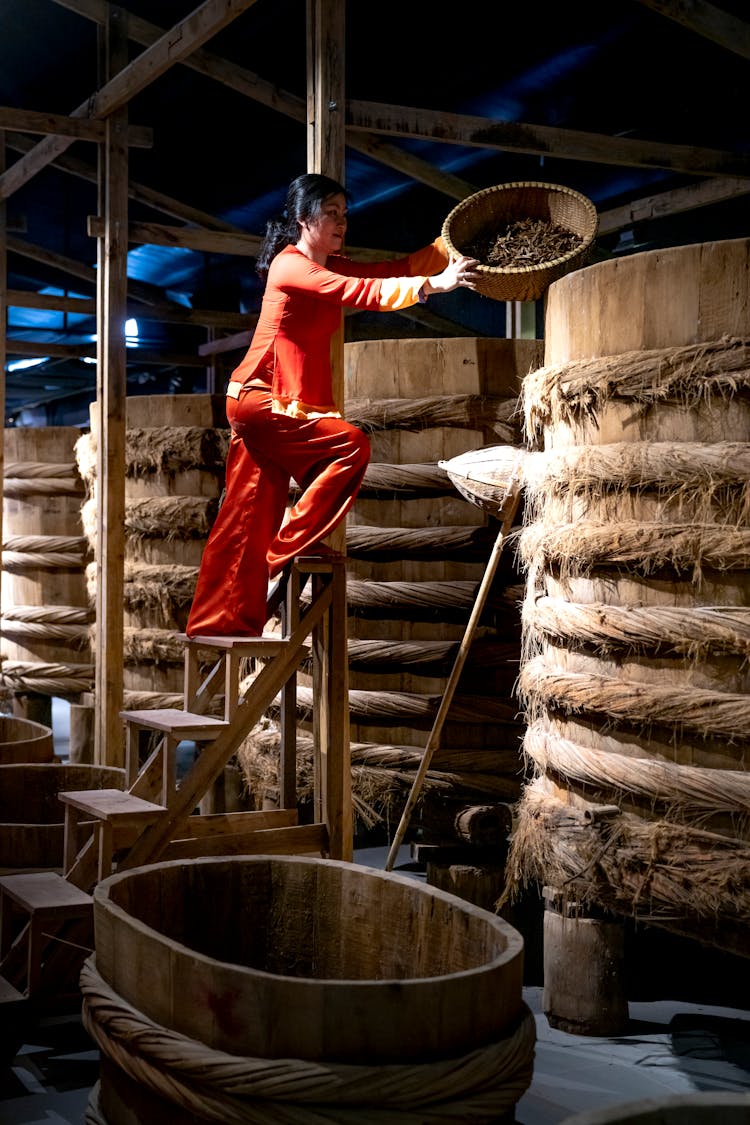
(418, 551)
(23, 740)
(175, 453)
(637, 611)
(32, 816)
(45, 609)
(298, 966)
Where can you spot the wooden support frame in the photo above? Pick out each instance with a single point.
(111, 382)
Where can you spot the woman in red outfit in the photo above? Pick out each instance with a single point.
(280, 405)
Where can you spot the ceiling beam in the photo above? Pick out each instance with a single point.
(81, 129)
(144, 356)
(139, 193)
(172, 47)
(170, 314)
(208, 241)
(707, 20)
(541, 140)
(674, 202)
(251, 85)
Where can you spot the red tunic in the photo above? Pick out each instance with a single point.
(301, 310)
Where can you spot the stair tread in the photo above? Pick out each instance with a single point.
(44, 890)
(112, 805)
(171, 720)
(268, 642)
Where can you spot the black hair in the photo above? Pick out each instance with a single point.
(304, 201)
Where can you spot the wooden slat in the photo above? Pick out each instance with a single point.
(302, 839)
(228, 343)
(176, 44)
(672, 203)
(172, 314)
(227, 824)
(77, 351)
(541, 140)
(32, 121)
(707, 20)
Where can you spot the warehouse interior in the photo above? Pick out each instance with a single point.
(637, 106)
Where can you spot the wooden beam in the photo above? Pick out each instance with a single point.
(139, 193)
(207, 241)
(707, 20)
(541, 140)
(144, 356)
(326, 39)
(175, 45)
(251, 85)
(31, 121)
(674, 202)
(111, 390)
(228, 344)
(170, 314)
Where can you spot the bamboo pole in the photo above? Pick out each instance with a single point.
(509, 510)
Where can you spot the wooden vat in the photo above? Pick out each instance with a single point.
(22, 740)
(418, 553)
(31, 816)
(637, 611)
(175, 453)
(302, 959)
(45, 610)
(677, 1109)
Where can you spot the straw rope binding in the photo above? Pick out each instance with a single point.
(214, 1086)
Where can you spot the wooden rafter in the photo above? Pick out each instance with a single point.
(541, 140)
(170, 314)
(708, 21)
(81, 129)
(171, 48)
(672, 203)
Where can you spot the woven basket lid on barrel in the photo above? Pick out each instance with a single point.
(489, 476)
(490, 211)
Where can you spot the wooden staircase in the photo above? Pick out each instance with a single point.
(157, 818)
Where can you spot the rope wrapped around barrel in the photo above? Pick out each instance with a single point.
(215, 1086)
(41, 478)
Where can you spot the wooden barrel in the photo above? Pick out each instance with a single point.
(31, 816)
(175, 454)
(637, 614)
(22, 740)
(678, 1109)
(45, 609)
(418, 550)
(292, 961)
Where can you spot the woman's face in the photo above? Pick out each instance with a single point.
(325, 234)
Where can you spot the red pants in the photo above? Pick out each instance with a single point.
(326, 456)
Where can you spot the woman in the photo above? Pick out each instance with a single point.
(280, 403)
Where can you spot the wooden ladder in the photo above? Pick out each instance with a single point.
(155, 817)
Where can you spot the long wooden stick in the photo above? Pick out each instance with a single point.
(510, 508)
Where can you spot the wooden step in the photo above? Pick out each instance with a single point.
(114, 812)
(49, 901)
(179, 724)
(266, 645)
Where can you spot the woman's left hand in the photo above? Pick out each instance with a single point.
(459, 273)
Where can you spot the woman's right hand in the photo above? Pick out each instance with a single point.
(460, 273)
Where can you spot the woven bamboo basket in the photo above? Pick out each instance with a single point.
(493, 208)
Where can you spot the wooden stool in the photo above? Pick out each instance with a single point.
(113, 811)
(47, 898)
(176, 726)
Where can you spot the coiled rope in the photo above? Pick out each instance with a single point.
(479, 1086)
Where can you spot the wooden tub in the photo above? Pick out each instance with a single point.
(291, 958)
(22, 740)
(31, 816)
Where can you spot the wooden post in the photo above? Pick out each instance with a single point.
(110, 413)
(3, 319)
(326, 27)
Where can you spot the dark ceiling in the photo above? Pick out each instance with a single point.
(617, 68)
